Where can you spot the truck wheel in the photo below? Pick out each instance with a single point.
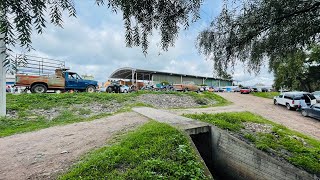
(39, 88)
(275, 102)
(288, 106)
(90, 89)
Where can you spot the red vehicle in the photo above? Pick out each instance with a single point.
(245, 90)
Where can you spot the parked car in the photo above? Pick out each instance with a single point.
(292, 100)
(264, 90)
(312, 111)
(186, 86)
(317, 95)
(245, 90)
(237, 89)
(204, 88)
(8, 89)
(254, 90)
(117, 88)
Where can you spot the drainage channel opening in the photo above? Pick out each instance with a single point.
(203, 143)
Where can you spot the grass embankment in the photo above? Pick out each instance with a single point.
(29, 112)
(203, 98)
(295, 147)
(38, 111)
(268, 95)
(154, 151)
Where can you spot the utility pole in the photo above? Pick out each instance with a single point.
(2, 77)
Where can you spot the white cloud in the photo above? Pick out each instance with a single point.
(94, 44)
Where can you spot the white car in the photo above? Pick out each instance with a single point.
(294, 100)
(317, 95)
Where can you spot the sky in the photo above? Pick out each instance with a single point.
(93, 43)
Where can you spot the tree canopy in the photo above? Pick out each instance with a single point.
(299, 70)
(21, 17)
(252, 31)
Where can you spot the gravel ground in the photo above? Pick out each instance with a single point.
(46, 153)
(169, 101)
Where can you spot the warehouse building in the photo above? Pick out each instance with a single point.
(155, 77)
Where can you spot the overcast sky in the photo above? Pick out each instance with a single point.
(93, 43)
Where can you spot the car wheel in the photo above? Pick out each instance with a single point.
(288, 106)
(125, 91)
(275, 102)
(39, 88)
(109, 90)
(90, 89)
(185, 90)
(241, 92)
(304, 113)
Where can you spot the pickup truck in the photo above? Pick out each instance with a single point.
(62, 80)
(186, 87)
(293, 100)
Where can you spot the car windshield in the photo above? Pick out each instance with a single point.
(245, 88)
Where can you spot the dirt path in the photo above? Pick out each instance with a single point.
(45, 153)
(265, 107)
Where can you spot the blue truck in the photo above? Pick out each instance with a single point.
(62, 80)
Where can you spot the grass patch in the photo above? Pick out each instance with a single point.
(268, 95)
(67, 108)
(296, 148)
(154, 151)
(205, 97)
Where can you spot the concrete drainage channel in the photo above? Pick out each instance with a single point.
(225, 156)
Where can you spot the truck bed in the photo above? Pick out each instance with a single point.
(52, 81)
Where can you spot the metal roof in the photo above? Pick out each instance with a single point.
(126, 73)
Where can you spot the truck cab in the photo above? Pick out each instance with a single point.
(76, 82)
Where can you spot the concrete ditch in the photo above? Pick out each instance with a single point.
(225, 156)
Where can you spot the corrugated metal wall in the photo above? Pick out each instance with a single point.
(174, 79)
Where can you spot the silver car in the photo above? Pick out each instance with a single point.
(317, 95)
(311, 111)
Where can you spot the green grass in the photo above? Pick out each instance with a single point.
(154, 151)
(202, 98)
(295, 147)
(268, 95)
(27, 120)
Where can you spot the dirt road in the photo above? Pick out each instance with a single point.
(265, 107)
(44, 154)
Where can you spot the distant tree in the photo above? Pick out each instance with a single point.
(252, 31)
(225, 75)
(300, 70)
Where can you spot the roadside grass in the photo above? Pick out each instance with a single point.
(268, 95)
(153, 151)
(296, 148)
(73, 107)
